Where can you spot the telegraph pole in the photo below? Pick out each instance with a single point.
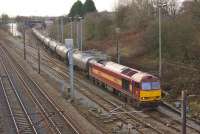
(160, 6)
(160, 42)
(38, 58)
(77, 33)
(58, 30)
(24, 33)
(183, 112)
(117, 30)
(69, 45)
(71, 27)
(12, 28)
(62, 29)
(81, 20)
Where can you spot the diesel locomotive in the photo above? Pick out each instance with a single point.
(140, 88)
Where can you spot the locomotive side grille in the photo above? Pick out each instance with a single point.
(128, 72)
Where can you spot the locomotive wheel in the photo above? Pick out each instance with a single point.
(104, 86)
(125, 99)
(136, 104)
(114, 91)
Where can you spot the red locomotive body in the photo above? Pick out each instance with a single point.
(113, 79)
(126, 81)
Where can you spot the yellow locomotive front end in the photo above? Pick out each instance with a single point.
(150, 92)
(148, 89)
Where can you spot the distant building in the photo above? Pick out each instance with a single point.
(32, 23)
(49, 22)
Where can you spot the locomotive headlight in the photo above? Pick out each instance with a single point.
(157, 97)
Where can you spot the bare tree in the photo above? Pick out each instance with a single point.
(173, 7)
(4, 18)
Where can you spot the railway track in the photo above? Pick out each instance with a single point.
(21, 119)
(109, 106)
(166, 121)
(57, 117)
(40, 121)
(191, 123)
(64, 75)
(142, 128)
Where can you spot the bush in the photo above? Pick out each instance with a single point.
(98, 26)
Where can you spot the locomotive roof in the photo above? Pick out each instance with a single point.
(114, 66)
(141, 76)
(90, 54)
(134, 74)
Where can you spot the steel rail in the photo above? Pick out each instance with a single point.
(61, 66)
(176, 111)
(43, 117)
(9, 107)
(179, 114)
(21, 104)
(53, 61)
(50, 100)
(64, 75)
(38, 103)
(163, 104)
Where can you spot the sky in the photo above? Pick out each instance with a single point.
(46, 7)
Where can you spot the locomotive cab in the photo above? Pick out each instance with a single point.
(146, 90)
(150, 91)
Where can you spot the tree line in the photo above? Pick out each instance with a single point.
(4, 19)
(80, 9)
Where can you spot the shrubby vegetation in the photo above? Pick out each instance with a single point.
(180, 39)
(4, 19)
(98, 26)
(138, 23)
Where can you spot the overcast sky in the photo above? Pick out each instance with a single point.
(48, 7)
